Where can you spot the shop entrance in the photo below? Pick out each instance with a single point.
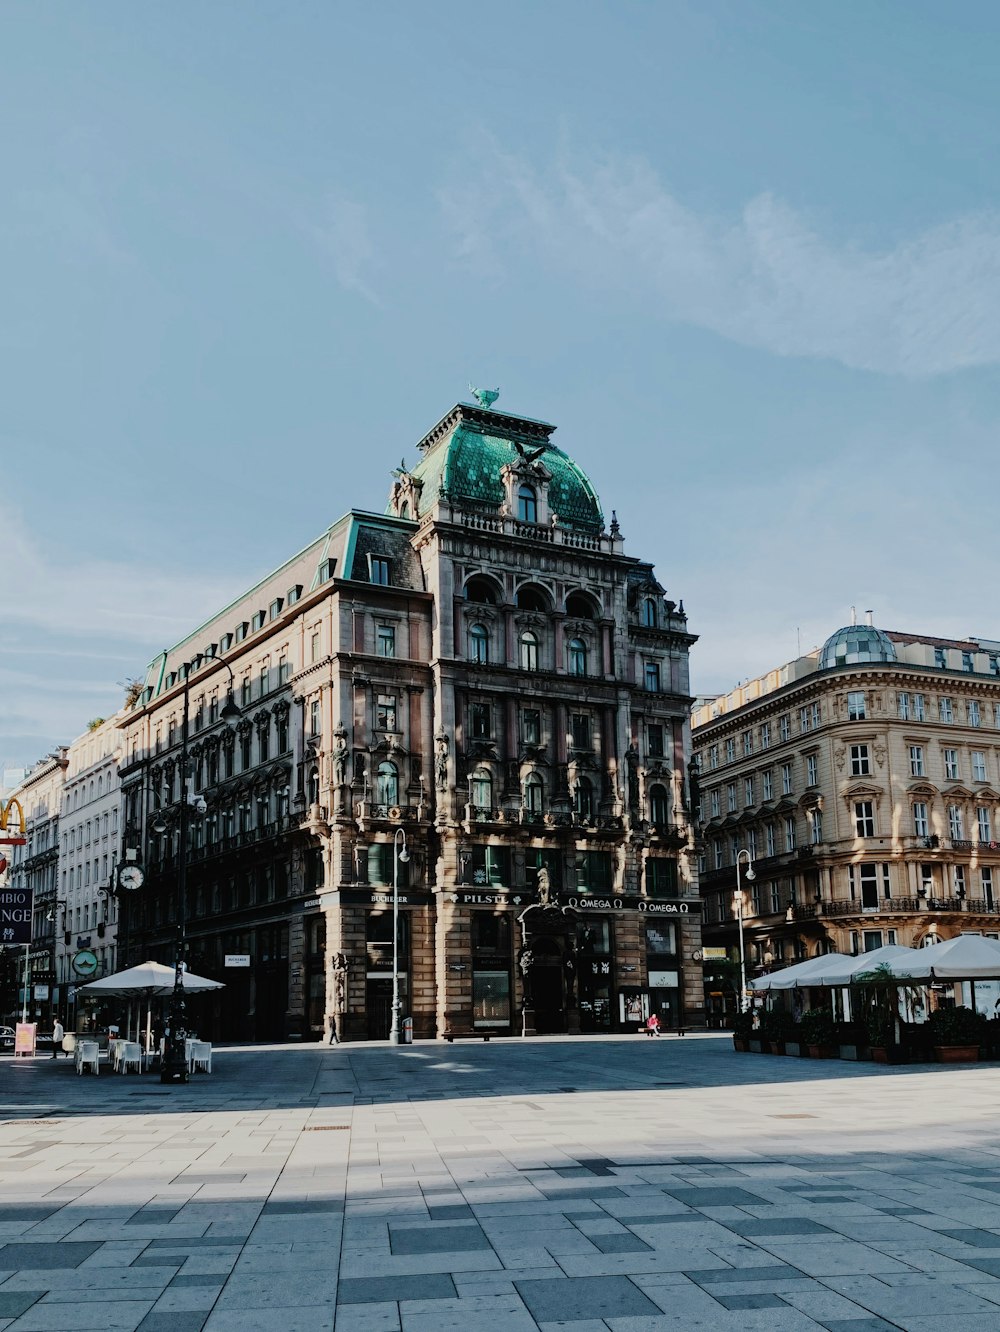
(547, 989)
(547, 962)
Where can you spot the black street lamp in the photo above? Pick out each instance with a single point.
(174, 1065)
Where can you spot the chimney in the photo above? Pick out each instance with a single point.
(871, 619)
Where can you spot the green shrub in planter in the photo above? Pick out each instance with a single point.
(778, 1026)
(817, 1027)
(743, 1024)
(956, 1026)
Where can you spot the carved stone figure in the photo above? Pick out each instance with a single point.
(632, 762)
(544, 887)
(340, 755)
(441, 759)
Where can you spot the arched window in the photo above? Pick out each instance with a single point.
(658, 805)
(479, 643)
(580, 607)
(533, 793)
(527, 505)
(529, 651)
(387, 784)
(577, 656)
(647, 615)
(583, 799)
(482, 590)
(482, 789)
(533, 598)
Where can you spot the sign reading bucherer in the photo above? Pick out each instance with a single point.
(15, 915)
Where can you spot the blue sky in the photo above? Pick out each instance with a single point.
(745, 255)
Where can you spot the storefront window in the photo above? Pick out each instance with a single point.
(490, 970)
(594, 969)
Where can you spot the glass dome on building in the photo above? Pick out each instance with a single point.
(854, 645)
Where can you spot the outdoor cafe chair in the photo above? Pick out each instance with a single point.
(130, 1057)
(88, 1055)
(200, 1056)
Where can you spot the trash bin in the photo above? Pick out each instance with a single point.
(407, 1031)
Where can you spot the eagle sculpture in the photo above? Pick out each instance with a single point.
(485, 397)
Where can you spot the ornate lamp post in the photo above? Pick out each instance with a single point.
(398, 857)
(738, 907)
(173, 1067)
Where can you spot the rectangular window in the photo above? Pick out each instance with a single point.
(986, 886)
(485, 866)
(978, 765)
(916, 761)
(860, 762)
(785, 726)
(731, 798)
(378, 570)
(385, 712)
(747, 791)
(730, 750)
(966, 661)
(385, 640)
(274, 610)
(951, 764)
(752, 843)
(654, 740)
(480, 721)
(786, 779)
(580, 727)
(765, 735)
(790, 833)
(714, 797)
(816, 826)
(719, 854)
(245, 690)
(959, 880)
(946, 712)
(903, 706)
(983, 823)
(767, 782)
(713, 750)
(734, 846)
(921, 827)
(314, 647)
(973, 712)
(661, 877)
(996, 715)
(747, 743)
(769, 839)
(594, 871)
(812, 770)
(775, 897)
(856, 706)
(257, 621)
(955, 828)
(864, 818)
(314, 717)
(284, 670)
(872, 939)
(940, 660)
(265, 678)
(531, 726)
(652, 677)
(804, 722)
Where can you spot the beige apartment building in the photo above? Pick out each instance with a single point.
(863, 782)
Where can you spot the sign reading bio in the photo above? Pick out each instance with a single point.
(237, 959)
(15, 915)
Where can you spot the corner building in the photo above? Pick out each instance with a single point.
(864, 781)
(482, 671)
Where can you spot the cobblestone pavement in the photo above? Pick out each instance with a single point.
(623, 1184)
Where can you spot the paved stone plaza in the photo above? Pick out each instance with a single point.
(623, 1184)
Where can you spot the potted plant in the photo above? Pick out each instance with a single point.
(818, 1033)
(876, 1000)
(742, 1027)
(956, 1034)
(776, 1027)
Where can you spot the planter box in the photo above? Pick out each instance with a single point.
(880, 1054)
(756, 1047)
(823, 1051)
(776, 1047)
(956, 1054)
(793, 1048)
(849, 1052)
(741, 1044)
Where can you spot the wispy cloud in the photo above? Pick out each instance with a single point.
(767, 277)
(344, 233)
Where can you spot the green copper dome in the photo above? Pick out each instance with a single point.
(464, 454)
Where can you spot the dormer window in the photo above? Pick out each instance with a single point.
(647, 613)
(527, 504)
(378, 568)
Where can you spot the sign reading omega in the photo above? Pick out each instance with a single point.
(15, 915)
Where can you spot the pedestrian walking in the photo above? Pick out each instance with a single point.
(652, 1025)
(57, 1038)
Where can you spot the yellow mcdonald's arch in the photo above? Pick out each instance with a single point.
(5, 814)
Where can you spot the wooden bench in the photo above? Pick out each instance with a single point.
(467, 1036)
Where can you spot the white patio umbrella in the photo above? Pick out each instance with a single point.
(149, 980)
(842, 969)
(966, 957)
(799, 973)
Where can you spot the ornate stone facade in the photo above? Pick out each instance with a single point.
(482, 675)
